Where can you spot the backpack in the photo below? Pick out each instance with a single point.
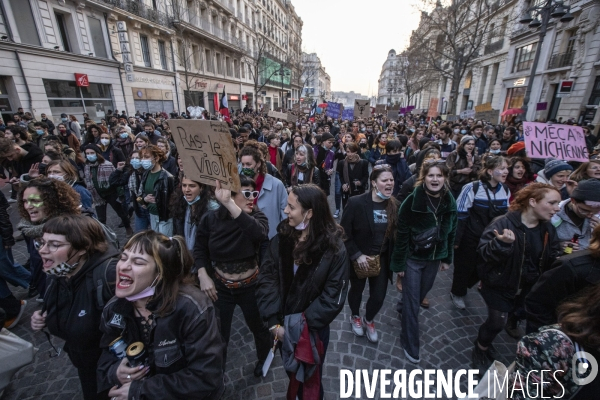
(104, 288)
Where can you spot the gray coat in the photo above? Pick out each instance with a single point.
(565, 228)
(272, 200)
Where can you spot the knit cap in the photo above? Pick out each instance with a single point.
(588, 191)
(553, 166)
(466, 138)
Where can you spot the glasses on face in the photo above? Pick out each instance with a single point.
(381, 166)
(52, 246)
(250, 194)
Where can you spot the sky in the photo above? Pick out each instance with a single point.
(336, 29)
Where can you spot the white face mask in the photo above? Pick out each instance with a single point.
(302, 225)
(57, 177)
(105, 142)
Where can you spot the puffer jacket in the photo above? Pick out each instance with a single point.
(319, 289)
(500, 265)
(163, 188)
(415, 218)
(186, 353)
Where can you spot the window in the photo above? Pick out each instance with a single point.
(571, 41)
(62, 30)
(26, 24)
(219, 65)
(65, 96)
(595, 96)
(236, 68)
(524, 57)
(209, 61)
(180, 54)
(228, 66)
(196, 56)
(162, 52)
(97, 37)
(243, 71)
(145, 50)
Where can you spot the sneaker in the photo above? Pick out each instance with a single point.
(458, 301)
(336, 214)
(11, 200)
(11, 323)
(411, 358)
(33, 292)
(357, 326)
(514, 330)
(479, 359)
(371, 331)
(258, 368)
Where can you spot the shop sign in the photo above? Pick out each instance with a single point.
(125, 50)
(244, 97)
(200, 84)
(519, 82)
(234, 97)
(82, 80)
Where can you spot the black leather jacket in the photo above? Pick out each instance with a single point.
(318, 290)
(185, 355)
(163, 188)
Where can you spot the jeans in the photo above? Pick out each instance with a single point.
(377, 291)
(244, 297)
(118, 207)
(142, 220)
(164, 227)
(417, 281)
(338, 191)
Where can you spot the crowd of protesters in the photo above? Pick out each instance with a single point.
(411, 196)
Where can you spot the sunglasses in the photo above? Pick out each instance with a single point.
(250, 194)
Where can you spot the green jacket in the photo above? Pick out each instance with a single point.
(414, 218)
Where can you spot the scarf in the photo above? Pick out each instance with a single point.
(515, 184)
(260, 179)
(350, 159)
(275, 158)
(102, 178)
(296, 170)
(30, 230)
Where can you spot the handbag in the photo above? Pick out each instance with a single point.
(487, 387)
(372, 270)
(427, 239)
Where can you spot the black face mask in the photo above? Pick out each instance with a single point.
(363, 145)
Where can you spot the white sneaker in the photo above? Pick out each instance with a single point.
(371, 331)
(458, 301)
(410, 358)
(336, 214)
(11, 200)
(357, 326)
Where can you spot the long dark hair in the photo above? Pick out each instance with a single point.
(222, 212)
(392, 205)
(178, 205)
(580, 317)
(323, 232)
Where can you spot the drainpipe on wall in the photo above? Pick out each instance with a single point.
(175, 77)
(119, 67)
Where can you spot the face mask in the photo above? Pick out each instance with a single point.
(57, 177)
(62, 269)
(63, 131)
(393, 159)
(381, 195)
(193, 201)
(412, 130)
(124, 135)
(363, 129)
(91, 157)
(302, 225)
(146, 164)
(495, 151)
(248, 172)
(149, 291)
(363, 145)
(105, 142)
(63, 119)
(39, 132)
(456, 130)
(463, 131)
(135, 163)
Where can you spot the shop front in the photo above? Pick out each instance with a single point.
(151, 93)
(515, 94)
(77, 97)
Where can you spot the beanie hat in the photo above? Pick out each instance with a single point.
(466, 138)
(553, 166)
(423, 142)
(588, 191)
(515, 148)
(94, 147)
(326, 136)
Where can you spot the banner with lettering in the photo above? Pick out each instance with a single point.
(564, 142)
(333, 110)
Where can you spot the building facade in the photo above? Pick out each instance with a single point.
(316, 82)
(141, 55)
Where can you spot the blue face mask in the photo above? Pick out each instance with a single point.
(463, 131)
(197, 199)
(381, 195)
(91, 157)
(135, 163)
(63, 119)
(495, 151)
(39, 131)
(147, 164)
(124, 135)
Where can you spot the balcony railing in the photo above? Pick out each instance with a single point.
(561, 60)
(494, 46)
(141, 10)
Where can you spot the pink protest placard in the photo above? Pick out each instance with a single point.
(564, 142)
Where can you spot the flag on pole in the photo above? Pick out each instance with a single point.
(224, 107)
(313, 112)
(216, 102)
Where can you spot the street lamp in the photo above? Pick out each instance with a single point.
(549, 9)
(282, 73)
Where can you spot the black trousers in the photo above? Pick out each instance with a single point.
(118, 207)
(465, 266)
(244, 297)
(377, 290)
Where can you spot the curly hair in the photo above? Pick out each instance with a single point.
(154, 152)
(536, 191)
(252, 148)
(59, 197)
(579, 317)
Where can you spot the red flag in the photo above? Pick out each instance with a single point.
(216, 102)
(224, 107)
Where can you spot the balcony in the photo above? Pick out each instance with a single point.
(561, 60)
(141, 10)
(493, 47)
(226, 5)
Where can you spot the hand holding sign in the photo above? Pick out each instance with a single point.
(564, 142)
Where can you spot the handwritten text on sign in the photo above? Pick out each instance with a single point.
(207, 152)
(564, 142)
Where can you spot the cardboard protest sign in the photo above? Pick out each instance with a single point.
(362, 109)
(207, 152)
(483, 107)
(467, 114)
(450, 118)
(291, 117)
(433, 107)
(380, 108)
(348, 114)
(277, 114)
(564, 142)
(392, 114)
(490, 115)
(333, 110)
